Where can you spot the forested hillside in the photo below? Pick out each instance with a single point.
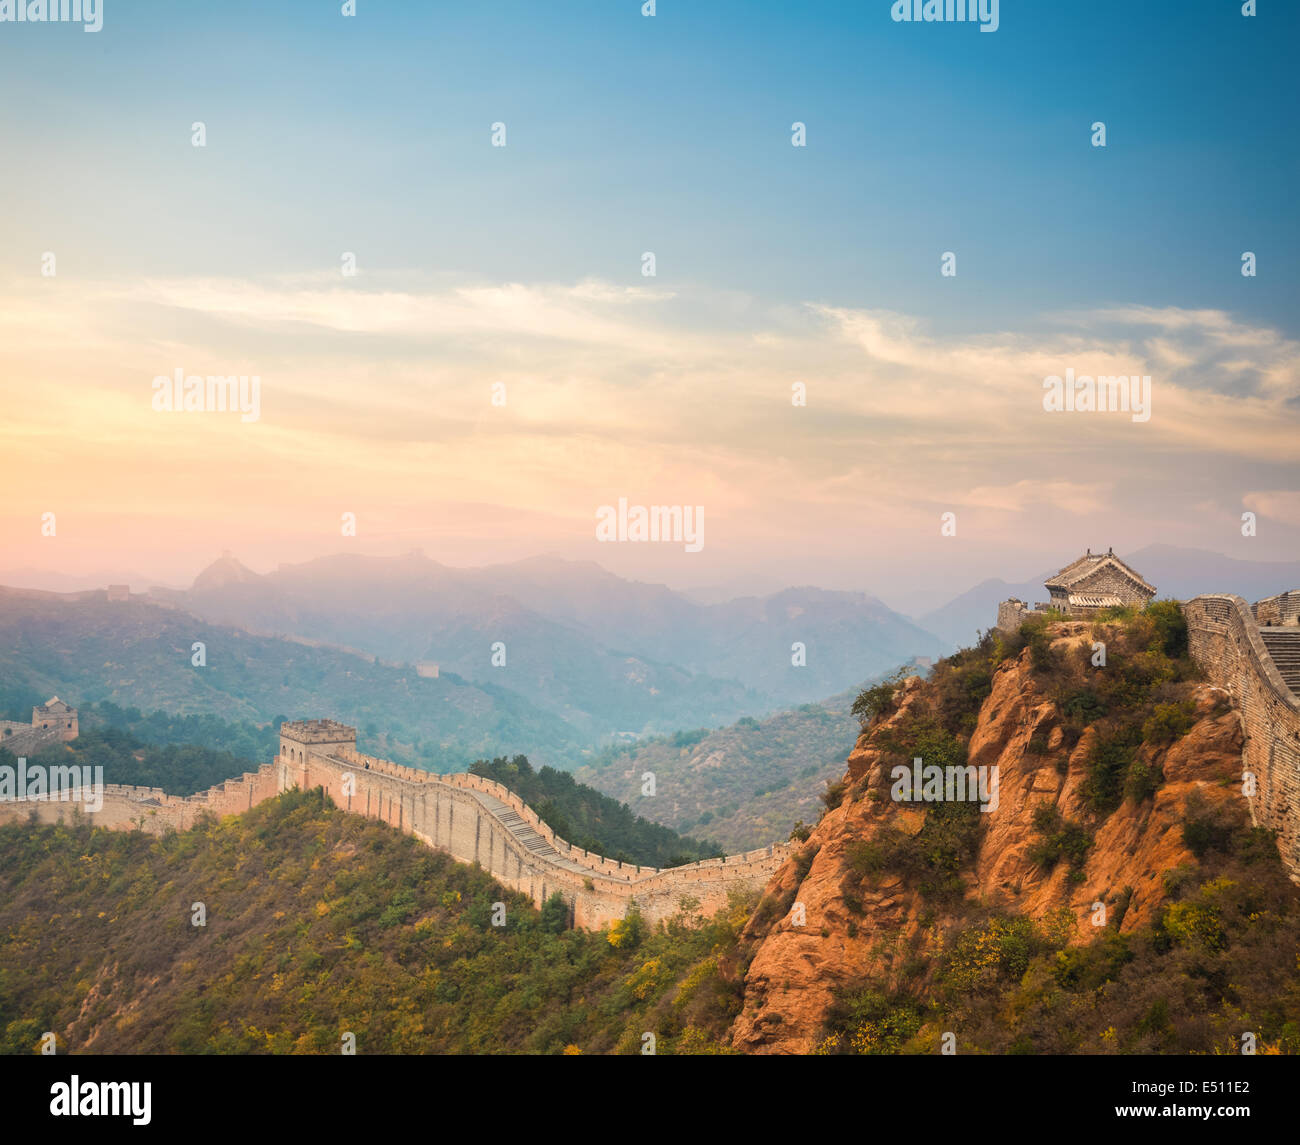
(745, 785)
(90, 651)
(320, 923)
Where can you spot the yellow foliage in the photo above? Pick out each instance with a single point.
(828, 1047)
(645, 982)
(1195, 925)
(692, 981)
(572, 1051)
(696, 1041)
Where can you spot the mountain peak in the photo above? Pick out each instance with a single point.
(221, 572)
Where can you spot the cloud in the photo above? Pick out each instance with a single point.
(1279, 504)
(1067, 496)
(378, 393)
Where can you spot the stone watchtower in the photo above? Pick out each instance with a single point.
(302, 739)
(54, 715)
(1096, 581)
(1085, 587)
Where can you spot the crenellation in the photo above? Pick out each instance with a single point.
(321, 753)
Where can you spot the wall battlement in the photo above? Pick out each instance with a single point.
(474, 819)
(150, 808)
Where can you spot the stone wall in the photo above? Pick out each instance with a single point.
(1012, 614)
(1283, 609)
(444, 811)
(150, 808)
(24, 739)
(1225, 641)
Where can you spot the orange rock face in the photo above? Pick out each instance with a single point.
(857, 929)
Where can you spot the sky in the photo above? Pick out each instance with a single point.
(521, 266)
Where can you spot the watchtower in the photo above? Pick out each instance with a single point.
(301, 738)
(55, 714)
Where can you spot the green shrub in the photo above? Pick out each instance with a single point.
(1170, 627)
(879, 699)
(1061, 839)
(1107, 766)
(984, 954)
(1169, 722)
(871, 1022)
(1142, 781)
(1206, 833)
(833, 796)
(1042, 657)
(1083, 706)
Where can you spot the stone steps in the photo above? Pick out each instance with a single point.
(527, 835)
(1283, 646)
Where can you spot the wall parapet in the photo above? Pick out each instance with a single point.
(1224, 639)
(445, 812)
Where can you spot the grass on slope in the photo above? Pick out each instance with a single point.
(321, 923)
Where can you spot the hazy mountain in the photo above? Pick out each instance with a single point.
(744, 785)
(411, 610)
(139, 654)
(608, 654)
(47, 581)
(752, 584)
(959, 622)
(847, 636)
(1184, 573)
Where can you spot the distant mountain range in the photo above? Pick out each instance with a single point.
(607, 655)
(139, 654)
(589, 657)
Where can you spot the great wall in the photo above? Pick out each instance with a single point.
(1250, 651)
(474, 819)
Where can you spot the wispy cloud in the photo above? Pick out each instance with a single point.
(381, 394)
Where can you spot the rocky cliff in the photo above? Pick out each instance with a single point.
(882, 885)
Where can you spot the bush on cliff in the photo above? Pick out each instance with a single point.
(879, 699)
(1060, 838)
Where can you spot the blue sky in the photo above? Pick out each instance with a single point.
(671, 134)
(775, 265)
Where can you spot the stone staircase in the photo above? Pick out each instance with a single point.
(522, 830)
(1283, 646)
